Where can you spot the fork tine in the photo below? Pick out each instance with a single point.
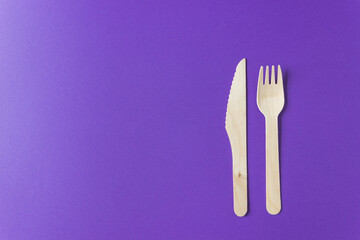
(260, 82)
(267, 75)
(280, 78)
(261, 77)
(272, 75)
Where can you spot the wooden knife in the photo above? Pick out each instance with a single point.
(235, 125)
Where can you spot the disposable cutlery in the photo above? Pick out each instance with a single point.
(270, 100)
(235, 125)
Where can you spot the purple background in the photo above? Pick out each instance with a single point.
(112, 119)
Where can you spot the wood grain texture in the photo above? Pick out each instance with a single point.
(270, 100)
(235, 125)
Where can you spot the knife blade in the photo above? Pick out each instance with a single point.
(235, 125)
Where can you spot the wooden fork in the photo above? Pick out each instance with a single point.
(270, 100)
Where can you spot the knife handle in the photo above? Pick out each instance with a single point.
(240, 187)
(238, 148)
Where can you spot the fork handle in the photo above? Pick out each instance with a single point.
(273, 199)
